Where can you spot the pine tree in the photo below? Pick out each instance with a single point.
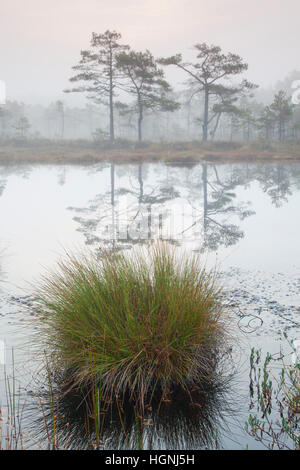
(98, 71)
(212, 67)
(145, 81)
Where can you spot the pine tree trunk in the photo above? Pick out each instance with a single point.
(205, 117)
(111, 113)
(205, 204)
(216, 127)
(111, 104)
(140, 120)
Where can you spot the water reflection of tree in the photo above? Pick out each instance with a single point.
(1, 268)
(275, 181)
(104, 222)
(149, 204)
(2, 186)
(103, 206)
(211, 191)
(62, 174)
(221, 232)
(218, 206)
(6, 171)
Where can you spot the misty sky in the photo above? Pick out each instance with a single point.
(40, 40)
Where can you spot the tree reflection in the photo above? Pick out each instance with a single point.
(218, 206)
(2, 186)
(207, 193)
(62, 173)
(215, 203)
(109, 223)
(8, 170)
(276, 183)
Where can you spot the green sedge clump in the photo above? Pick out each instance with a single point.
(132, 323)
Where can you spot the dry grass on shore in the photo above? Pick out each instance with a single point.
(85, 152)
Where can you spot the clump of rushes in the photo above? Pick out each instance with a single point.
(133, 325)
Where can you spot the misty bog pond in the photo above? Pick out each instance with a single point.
(243, 218)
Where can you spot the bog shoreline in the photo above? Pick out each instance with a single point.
(186, 153)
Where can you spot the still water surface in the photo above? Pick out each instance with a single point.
(243, 217)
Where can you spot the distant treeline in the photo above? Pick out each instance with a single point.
(130, 98)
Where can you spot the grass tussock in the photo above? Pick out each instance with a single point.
(134, 324)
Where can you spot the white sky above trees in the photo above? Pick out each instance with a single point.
(40, 40)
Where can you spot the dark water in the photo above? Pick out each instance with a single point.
(244, 217)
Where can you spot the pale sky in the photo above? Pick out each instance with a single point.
(40, 40)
